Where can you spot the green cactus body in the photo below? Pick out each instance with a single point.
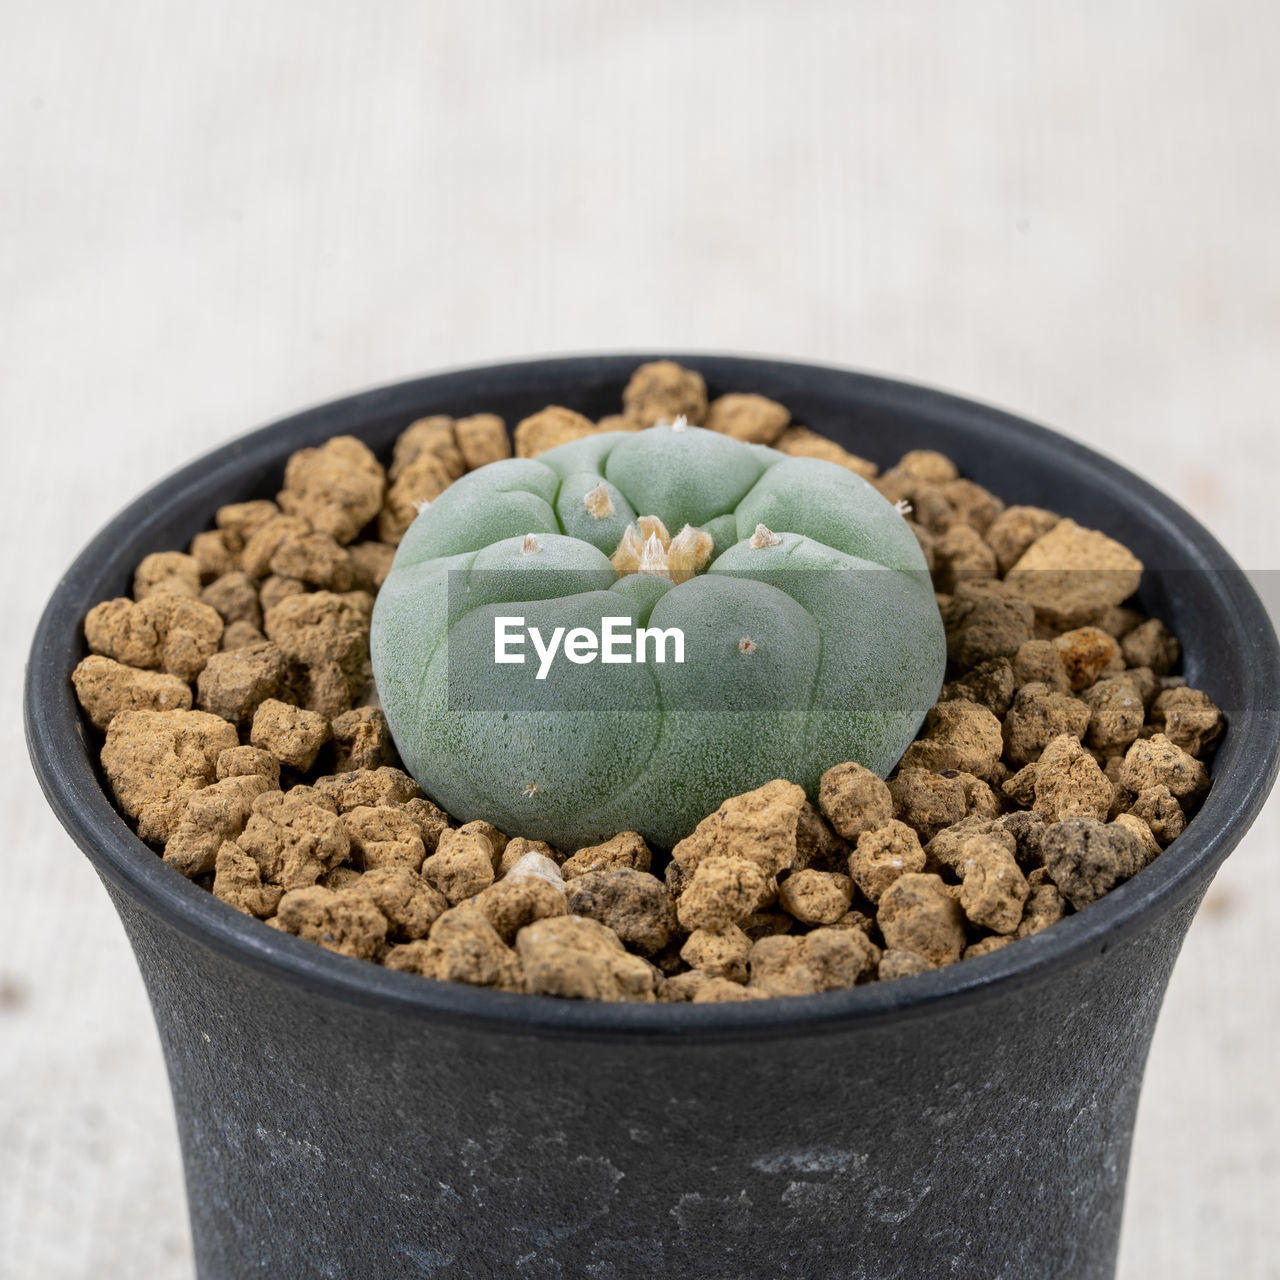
(812, 642)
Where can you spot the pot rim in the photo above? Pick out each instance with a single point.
(62, 753)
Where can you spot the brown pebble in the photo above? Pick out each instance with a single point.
(339, 878)
(1116, 714)
(1088, 652)
(176, 634)
(883, 854)
(1037, 717)
(1159, 809)
(723, 890)
(273, 590)
(497, 840)
(1151, 644)
(482, 438)
(822, 960)
(155, 761)
(235, 597)
(800, 442)
(755, 419)
(239, 519)
(958, 735)
(1189, 719)
(213, 815)
(1069, 783)
(316, 559)
(337, 487)
(235, 684)
(853, 799)
(350, 925)
(818, 847)
(577, 958)
(1119, 620)
(429, 818)
(383, 837)
(901, 964)
(663, 391)
(816, 897)
(764, 924)
(384, 785)
(408, 902)
(944, 852)
(167, 571)
(759, 825)
(927, 801)
(985, 946)
(990, 628)
(1025, 829)
(1040, 662)
(238, 762)
(238, 882)
(421, 482)
(322, 627)
(461, 947)
(1157, 762)
(917, 914)
(1142, 832)
(718, 953)
(1072, 574)
(722, 991)
(239, 635)
(990, 684)
(292, 735)
(216, 552)
(461, 866)
(303, 791)
(970, 503)
(926, 465)
(370, 564)
(105, 688)
(626, 849)
(1044, 906)
(362, 740)
(634, 904)
(992, 887)
(1020, 787)
(263, 543)
(1086, 858)
(961, 555)
(509, 905)
(926, 542)
(548, 428)
(436, 437)
(681, 988)
(1014, 530)
(293, 840)
(927, 506)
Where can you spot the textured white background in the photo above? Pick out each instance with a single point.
(211, 214)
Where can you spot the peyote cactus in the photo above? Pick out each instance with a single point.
(811, 634)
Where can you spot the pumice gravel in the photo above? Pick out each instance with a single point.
(1036, 745)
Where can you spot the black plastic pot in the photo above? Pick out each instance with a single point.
(341, 1120)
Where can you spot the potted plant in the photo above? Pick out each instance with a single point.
(345, 1120)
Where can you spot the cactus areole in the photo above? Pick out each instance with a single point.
(809, 633)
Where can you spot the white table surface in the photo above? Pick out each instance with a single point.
(213, 214)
